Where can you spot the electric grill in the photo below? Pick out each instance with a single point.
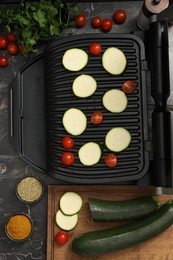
(38, 139)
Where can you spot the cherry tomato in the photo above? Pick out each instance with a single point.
(96, 117)
(129, 86)
(3, 42)
(110, 160)
(11, 37)
(67, 158)
(12, 48)
(96, 22)
(61, 237)
(80, 20)
(3, 61)
(67, 142)
(106, 25)
(120, 16)
(23, 50)
(95, 48)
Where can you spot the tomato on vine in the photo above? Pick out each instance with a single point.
(3, 42)
(12, 48)
(3, 61)
(11, 37)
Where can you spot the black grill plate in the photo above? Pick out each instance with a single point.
(134, 161)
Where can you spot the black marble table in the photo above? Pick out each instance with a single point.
(12, 167)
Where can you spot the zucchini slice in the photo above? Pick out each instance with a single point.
(84, 86)
(66, 222)
(110, 240)
(89, 154)
(115, 100)
(110, 210)
(117, 139)
(114, 61)
(74, 121)
(75, 59)
(70, 203)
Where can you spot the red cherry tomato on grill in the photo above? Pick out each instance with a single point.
(129, 86)
(11, 37)
(3, 61)
(67, 142)
(61, 237)
(106, 25)
(80, 20)
(3, 42)
(12, 48)
(97, 117)
(110, 160)
(95, 48)
(96, 22)
(120, 16)
(67, 158)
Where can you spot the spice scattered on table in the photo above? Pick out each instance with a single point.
(29, 189)
(19, 227)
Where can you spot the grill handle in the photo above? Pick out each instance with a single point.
(161, 117)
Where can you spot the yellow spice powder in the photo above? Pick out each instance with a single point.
(19, 227)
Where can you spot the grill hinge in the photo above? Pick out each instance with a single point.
(147, 146)
(144, 65)
(21, 113)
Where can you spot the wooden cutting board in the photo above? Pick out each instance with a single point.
(158, 248)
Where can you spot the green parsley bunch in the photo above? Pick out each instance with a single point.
(36, 20)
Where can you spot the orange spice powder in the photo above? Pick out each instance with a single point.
(19, 227)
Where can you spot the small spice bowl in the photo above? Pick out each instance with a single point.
(29, 189)
(19, 227)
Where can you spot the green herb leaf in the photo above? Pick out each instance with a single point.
(54, 30)
(40, 17)
(27, 32)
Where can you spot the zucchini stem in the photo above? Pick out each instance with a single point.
(156, 199)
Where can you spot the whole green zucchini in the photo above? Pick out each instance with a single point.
(101, 242)
(107, 210)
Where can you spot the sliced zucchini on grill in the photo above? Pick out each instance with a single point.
(114, 61)
(75, 59)
(89, 154)
(74, 121)
(84, 86)
(117, 139)
(115, 100)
